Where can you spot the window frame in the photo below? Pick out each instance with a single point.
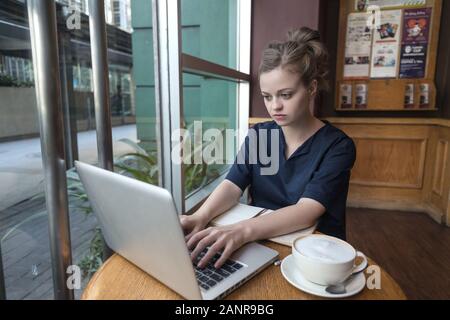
(170, 64)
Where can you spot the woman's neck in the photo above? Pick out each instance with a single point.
(301, 131)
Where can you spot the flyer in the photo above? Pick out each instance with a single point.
(386, 45)
(424, 95)
(409, 96)
(415, 39)
(346, 96)
(357, 47)
(361, 96)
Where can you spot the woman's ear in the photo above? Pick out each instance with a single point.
(313, 88)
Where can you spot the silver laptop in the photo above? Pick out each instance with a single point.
(140, 222)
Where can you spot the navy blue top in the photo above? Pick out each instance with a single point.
(319, 169)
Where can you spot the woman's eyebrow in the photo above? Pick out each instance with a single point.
(286, 89)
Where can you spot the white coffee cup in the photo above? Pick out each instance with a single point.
(326, 260)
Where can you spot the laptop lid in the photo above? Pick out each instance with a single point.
(139, 221)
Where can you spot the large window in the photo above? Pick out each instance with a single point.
(24, 231)
(214, 87)
(156, 87)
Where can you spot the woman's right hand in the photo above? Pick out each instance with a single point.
(192, 224)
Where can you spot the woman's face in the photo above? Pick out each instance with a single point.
(286, 98)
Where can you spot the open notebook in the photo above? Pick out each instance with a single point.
(242, 212)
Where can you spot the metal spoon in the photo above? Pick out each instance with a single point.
(338, 288)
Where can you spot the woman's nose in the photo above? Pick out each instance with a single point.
(277, 104)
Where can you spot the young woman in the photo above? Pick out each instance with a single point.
(315, 159)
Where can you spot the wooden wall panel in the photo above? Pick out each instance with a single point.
(440, 167)
(437, 183)
(448, 212)
(384, 198)
(400, 166)
(394, 163)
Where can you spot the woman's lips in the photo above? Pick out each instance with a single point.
(279, 116)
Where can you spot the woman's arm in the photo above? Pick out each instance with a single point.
(227, 239)
(286, 220)
(225, 196)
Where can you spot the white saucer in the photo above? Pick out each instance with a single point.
(295, 278)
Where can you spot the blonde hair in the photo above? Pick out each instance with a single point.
(301, 53)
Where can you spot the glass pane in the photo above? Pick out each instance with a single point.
(132, 88)
(210, 115)
(24, 236)
(209, 30)
(23, 216)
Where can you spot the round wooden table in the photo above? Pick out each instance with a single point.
(120, 279)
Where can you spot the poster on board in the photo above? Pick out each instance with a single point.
(415, 39)
(386, 44)
(357, 47)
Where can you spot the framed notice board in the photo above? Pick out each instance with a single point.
(387, 52)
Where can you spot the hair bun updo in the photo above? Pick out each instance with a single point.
(303, 35)
(302, 53)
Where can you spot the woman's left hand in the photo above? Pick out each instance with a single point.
(224, 240)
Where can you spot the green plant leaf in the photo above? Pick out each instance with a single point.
(134, 145)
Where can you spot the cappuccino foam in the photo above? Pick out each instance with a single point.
(324, 249)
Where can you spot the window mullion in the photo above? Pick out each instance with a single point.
(202, 67)
(168, 85)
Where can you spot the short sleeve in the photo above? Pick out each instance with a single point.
(240, 172)
(332, 177)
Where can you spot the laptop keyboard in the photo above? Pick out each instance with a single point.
(209, 276)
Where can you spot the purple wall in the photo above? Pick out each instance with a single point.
(271, 21)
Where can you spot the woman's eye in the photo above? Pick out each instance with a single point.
(267, 98)
(286, 96)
